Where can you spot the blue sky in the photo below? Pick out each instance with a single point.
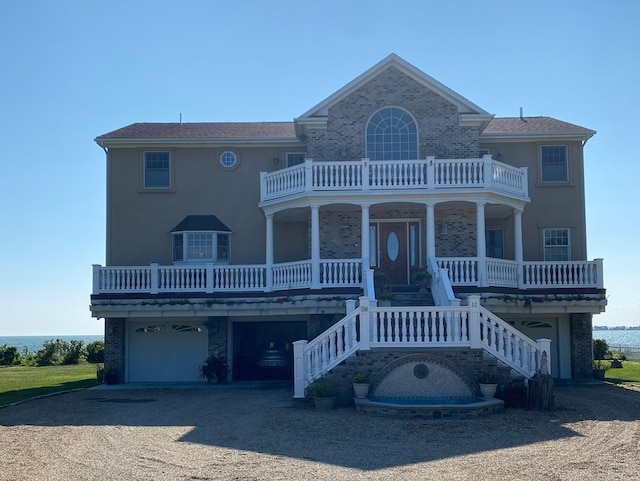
(72, 70)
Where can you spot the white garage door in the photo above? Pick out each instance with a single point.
(166, 352)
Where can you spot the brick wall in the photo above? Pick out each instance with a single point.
(114, 338)
(438, 121)
(581, 346)
(459, 240)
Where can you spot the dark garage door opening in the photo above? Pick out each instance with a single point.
(264, 350)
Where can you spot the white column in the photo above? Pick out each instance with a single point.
(299, 369)
(431, 231)
(364, 238)
(481, 247)
(315, 246)
(517, 241)
(269, 251)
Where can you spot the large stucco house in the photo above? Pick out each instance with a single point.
(241, 239)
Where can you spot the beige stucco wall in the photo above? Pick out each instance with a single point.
(139, 221)
(552, 205)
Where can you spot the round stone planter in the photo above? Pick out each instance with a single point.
(361, 389)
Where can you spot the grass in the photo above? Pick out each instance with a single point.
(18, 383)
(629, 374)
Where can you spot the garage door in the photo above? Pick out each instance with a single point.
(166, 352)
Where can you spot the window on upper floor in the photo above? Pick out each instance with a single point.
(201, 238)
(200, 247)
(295, 158)
(157, 170)
(554, 164)
(557, 245)
(483, 152)
(392, 134)
(228, 159)
(494, 242)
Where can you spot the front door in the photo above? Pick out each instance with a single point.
(393, 252)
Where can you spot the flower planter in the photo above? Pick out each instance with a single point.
(488, 390)
(361, 389)
(599, 374)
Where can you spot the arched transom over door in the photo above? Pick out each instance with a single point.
(392, 134)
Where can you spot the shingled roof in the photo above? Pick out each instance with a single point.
(534, 125)
(285, 131)
(204, 130)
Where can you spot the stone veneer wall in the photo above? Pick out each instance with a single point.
(469, 363)
(581, 345)
(114, 339)
(438, 121)
(217, 332)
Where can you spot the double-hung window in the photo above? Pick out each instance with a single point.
(157, 170)
(557, 245)
(553, 163)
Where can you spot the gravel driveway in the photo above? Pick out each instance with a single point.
(253, 434)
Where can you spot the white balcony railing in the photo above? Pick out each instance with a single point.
(460, 271)
(366, 175)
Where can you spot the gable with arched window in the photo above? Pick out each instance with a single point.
(392, 134)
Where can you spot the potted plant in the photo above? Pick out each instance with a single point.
(599, 368)
(385, 296)
(111, 376)
(361, 382)
(488, 385)
(323, 393)
(215, 367)
(421, 278)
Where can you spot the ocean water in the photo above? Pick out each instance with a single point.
(35, 343)
(626, 338)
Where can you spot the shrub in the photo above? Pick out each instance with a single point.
(601, 349)
(95, 352)
(9, 355)
(73, 352)
(321, 387)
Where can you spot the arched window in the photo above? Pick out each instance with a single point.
(392, 134)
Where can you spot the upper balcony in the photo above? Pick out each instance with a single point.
(411, 176)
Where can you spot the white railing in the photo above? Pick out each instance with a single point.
(469, 271)
(463, 271)
(441, 288)
(341, 272)
(365, 175)
(569, 274)
(369, 327)
(445, 271)
(502, 273)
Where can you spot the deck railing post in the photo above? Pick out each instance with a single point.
(263, 186)
(308, 175)
(599, 273)
(155, 282)
(209, 279)
(430, 171)
(544, 356)
(474, 321)
(366, 179)
(96, 278)
(299, 369)
(365, 324)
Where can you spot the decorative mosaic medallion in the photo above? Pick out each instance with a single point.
(420, 371)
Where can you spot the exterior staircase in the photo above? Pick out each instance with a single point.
(418, 326)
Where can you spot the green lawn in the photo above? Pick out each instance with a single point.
(629, 374)
(23, 382)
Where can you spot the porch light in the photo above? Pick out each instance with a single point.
(345, 230)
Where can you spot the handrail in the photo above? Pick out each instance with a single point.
(370, 326)
(365, 175)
